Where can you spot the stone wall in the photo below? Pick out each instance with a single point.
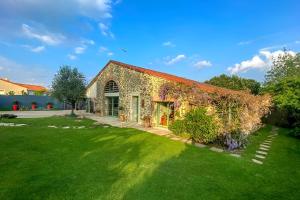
(130, 83)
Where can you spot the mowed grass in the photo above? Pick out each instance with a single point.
(37, 162)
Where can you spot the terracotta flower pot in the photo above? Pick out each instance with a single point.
(122, 118)
(49, 106)
(15, 107)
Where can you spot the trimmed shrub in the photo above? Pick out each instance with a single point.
(201, 126)
(178, 127)
(8, 116)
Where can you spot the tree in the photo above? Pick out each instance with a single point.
(235, 83)
(283, 83)
(11, 93)
(69, 85)
(286, 65)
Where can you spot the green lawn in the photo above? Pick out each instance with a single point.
(37, 162)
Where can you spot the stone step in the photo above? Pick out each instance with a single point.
(271, 136)
(175, 138)
(262, 152)
(189, 142)
(264, 149)
(266, 143)
(260, 156)
(235, 155)
(257, 161)
(265, 146)
(199, 145)
(216, 149)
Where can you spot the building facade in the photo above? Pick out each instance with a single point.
(11, 88)
(133, 92)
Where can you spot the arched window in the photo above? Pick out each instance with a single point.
(111, 87)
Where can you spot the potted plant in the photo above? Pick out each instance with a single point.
(147, 121)
(122, 115)
(49, 105)
(33, 105)
(15, 106)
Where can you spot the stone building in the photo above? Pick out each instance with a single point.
(133, 92)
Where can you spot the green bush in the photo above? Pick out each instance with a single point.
(295, 131)
(8, 116)
(178, 127)
(201, 126)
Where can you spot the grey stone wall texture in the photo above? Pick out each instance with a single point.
(130, 83)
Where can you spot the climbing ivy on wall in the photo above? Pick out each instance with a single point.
(236, 111)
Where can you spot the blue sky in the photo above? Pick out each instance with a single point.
(192, 39)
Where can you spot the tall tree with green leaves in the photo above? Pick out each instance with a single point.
(235, 83)
(285, 66)
(69, 86)
(283, 83)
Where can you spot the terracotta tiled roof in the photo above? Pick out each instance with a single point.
(28, 86)
(203, 86)
(32, 87)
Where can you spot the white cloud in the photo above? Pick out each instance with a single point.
(84, 45)
(245, 42)
(118, 2)
(72, 57)
(202, 63)
(96, 9)
(38, 49)
(255, 63)
(105, 30)
(261, 61)
(176, 59)
(30, 74)
(103, 49)
(33, 9)
(168, 44)
(54, 16)
(46, 37)
(80, 50)
(89, 42)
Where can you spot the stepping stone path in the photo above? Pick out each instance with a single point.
(235, 155)
(200, 145)
(262, 152)
(67, 127)
(12, 124)
(78, 127)
(257, 161)
(216, 149)
(51, 126)
(175, 138)
(259, 156)
(264, 147)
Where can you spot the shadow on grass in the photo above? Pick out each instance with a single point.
(116, 163)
